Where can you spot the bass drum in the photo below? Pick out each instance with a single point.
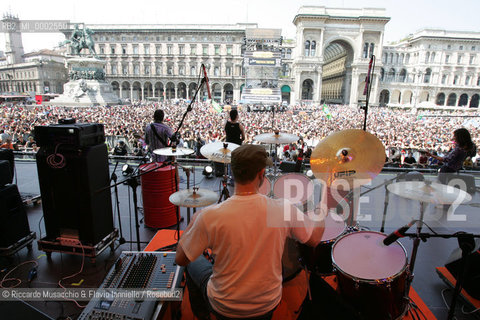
(297, 188)
(371, 276)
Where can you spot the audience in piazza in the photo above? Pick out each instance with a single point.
(402, 130)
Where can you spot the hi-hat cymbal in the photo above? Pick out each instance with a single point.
(219, 151)
(193, 198)
(353, 156)
(276, 138)
(430, 192)
(170, 152)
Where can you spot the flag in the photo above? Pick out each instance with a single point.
(326, 112)
(216, 106)
(367, 78)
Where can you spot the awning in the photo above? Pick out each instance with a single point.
(286, 89)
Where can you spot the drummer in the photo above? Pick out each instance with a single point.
(245, 280)
(157, 134)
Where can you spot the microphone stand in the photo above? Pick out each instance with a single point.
(467, 245)
(369, 88)
(117, 202)
(132, 182)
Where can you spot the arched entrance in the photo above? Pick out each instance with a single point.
(474, 101)
(159, 91)
(116, 88)
(170, 91)
(440, 101)
(286, 93)
(228, 93)
(147, 91)
(463, 101)
(384, 97)
(137, 91)
(337, 72)
(452, 98)
(125, 90)
(182, 91)
(307, 89)
(192, 87)
(407, 97)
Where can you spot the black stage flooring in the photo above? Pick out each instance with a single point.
(431, 254)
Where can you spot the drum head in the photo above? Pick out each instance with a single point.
(334, 227)
(363, 255)
(296, 187)
(266, 187)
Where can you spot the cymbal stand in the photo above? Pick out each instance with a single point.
(385, 206)
(225, 193)
(187, 170)
(114, 178)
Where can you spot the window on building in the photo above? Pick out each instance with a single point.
(432, 57)
(459, 58)
(112, 49)
(124, 50)
(102, 50)
(307, 48)
(181, 70)
(216, 71)
(365, 50)
(170, 69)
(428, 74)
(112, 39)
(289, 54)
(158, 49)
(136, 69)
(205, 50)
(447, 58)
(460, 48)
(407, 58)
(467, 80)
(147, 70)
(146, 49)
(146, 38)
(228, 70)
(444, 79)
(193, 71)
(427, 57)
(158, 69)
(478, 80)
(455, 80)
(449, 47)
(157, 38)
(181, 50)
(135, 49)
(229, 51)
(472, 59)
(135, 38)
(372, 48)
(313, 48)
(193, 49)
(125, 69)
(169, 49)
(169, 38)
(217, 50)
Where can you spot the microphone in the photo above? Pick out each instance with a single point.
(397, 234)
(206, 82)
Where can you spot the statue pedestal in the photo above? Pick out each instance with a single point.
(87, 85)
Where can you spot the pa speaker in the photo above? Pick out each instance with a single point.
(13, 217)
(7, 154)
(471, 282)
(5, 173)
(76, 199)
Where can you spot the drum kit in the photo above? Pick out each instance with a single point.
(366, 268)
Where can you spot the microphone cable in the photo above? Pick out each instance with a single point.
(56, 160)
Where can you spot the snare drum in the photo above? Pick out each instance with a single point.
(296, 187)
(371, 276)
(319, 259)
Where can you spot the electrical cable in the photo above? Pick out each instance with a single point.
(56, 160)
(5, 279)
(74, 275)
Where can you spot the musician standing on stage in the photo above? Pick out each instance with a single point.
(156, 135)
(246, 234)
(233, 129)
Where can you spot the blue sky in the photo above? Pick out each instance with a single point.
(407, 16)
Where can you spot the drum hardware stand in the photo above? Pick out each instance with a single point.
(117, 202)
(187, 172)
(385, 206)
(225, 193)
(467, 245)
(133, 183)
(368, 88)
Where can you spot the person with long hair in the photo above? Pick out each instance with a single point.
(463, 148)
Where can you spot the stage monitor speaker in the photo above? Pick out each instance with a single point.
(13, 217)
(7, 154)
(74, 204)
(471, 282)
(219, 169)
(5, 173)
(287, 166)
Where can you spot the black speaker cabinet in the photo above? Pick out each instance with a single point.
(13, 217)
(74, 204)
(471, 282)
(5, 173)
(7, 154)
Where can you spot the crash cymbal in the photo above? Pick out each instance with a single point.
(170, 152)
(276, 138)
(193, 198)
(430, 192)
(353, 156)
(219, 151)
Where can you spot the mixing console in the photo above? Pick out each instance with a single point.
(138, 271)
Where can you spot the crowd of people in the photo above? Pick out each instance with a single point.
(401, 130)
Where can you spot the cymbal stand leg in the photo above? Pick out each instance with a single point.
(385, 206)
(187, 172)
(177, 211)
(225, 193)
(275, 164)
(416, 243)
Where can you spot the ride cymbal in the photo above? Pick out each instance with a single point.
(171, 152)
(276, 138)
(219, 151)
(430, 192)
(193, 198)
(353, 156)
